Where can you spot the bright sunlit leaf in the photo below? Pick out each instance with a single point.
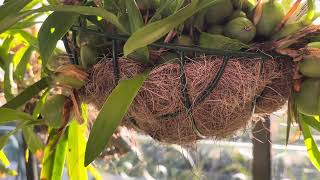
(312, 148)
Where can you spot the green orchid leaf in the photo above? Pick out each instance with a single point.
(11, 115)
(3, 158)
(11, 20)
(111, 114)
(52, 30)
(32, 139)
(22, 65)
(216, 41)
(77, 146)
(312, 149)
(135, 23)
(54, 156)
(40, 104)
(8, 82)
(28, 93)
(12, 7)
(312, 121)
(156, 30)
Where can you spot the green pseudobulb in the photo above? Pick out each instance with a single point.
(310, 66)
(240, 28)
(308, 99)
(272, 14)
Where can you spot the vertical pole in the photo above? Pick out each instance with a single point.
(261, 167)
(31, 165)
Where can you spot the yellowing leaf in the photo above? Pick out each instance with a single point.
(76, 148)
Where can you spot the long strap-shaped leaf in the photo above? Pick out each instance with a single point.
(4, 160)
(312, 121)
(10, 20)
(8, 82)
(28, 93)
(311, 12)
(12, 7)
(77, 146)
(33, 141)
(154, 31)
(22, 66)
(10, 115)
(136, 22)
(111, 114)
(54, 157)
(312, 149)
(52, 30)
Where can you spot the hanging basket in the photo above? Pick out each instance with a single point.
(212, 95)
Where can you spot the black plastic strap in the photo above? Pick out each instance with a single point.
(183, 82)
(115, 61)
(214, 83)
(185, 95)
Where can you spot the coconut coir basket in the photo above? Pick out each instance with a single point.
(212, 95)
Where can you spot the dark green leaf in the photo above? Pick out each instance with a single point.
(52, 30)
(24, 24)
(10, 115)
(28, 93)
(33, 141)
(22, 66)
(111, 114)
(216, 41)
(10, 20)
(157, 14)
(312, 149)
(156, 30)
(12, 7)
